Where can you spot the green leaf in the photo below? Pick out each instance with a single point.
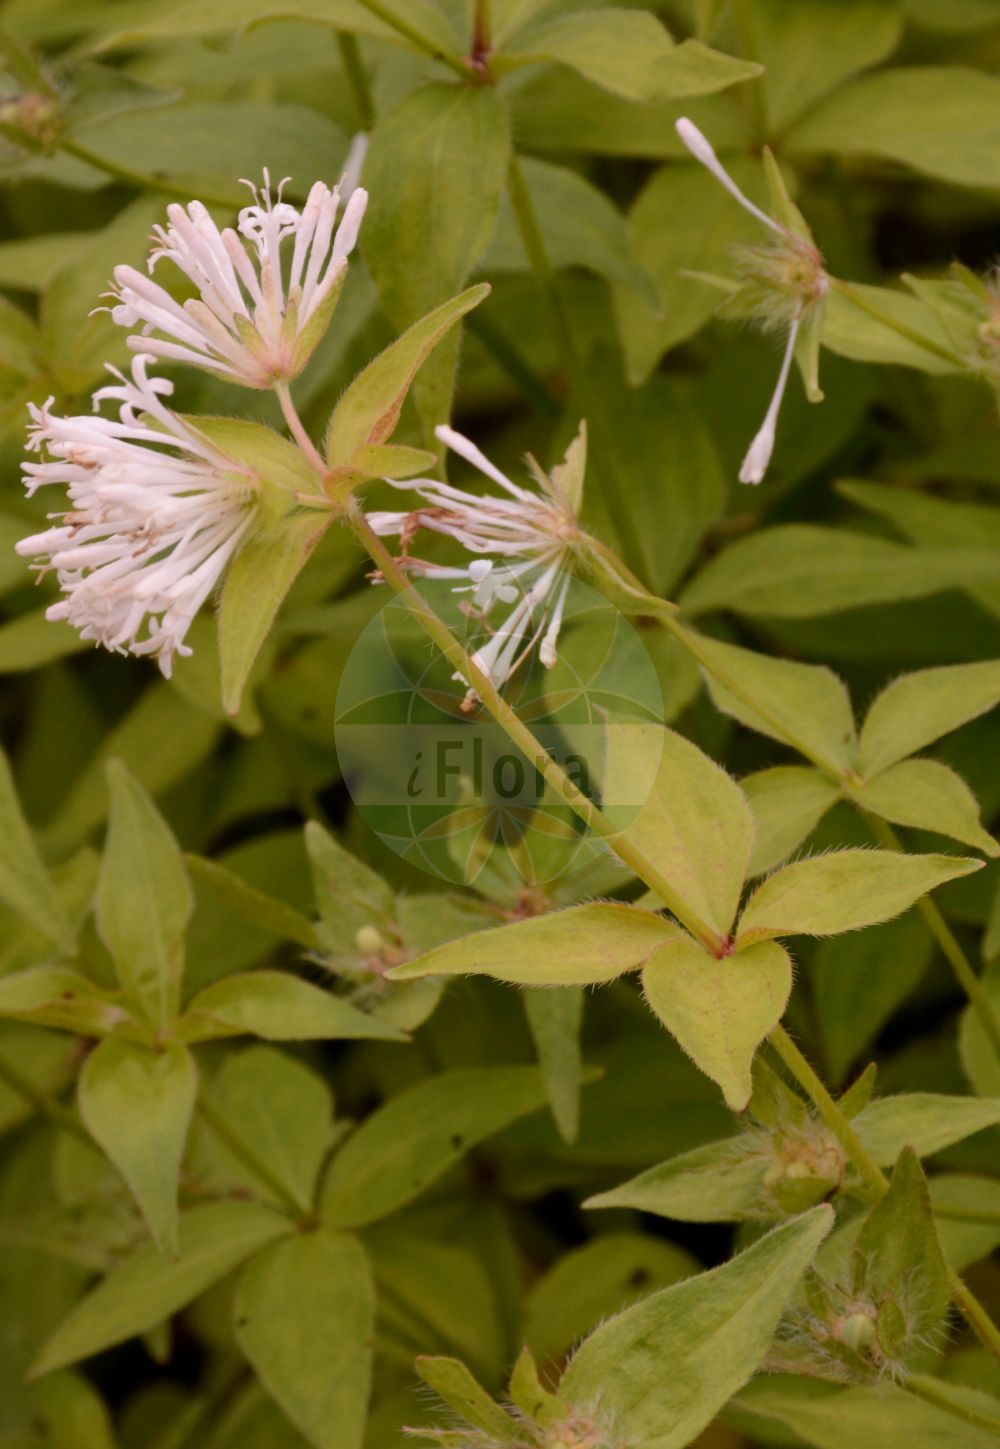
(660, 789)
(257, 581)
(419, 1134)
(843, 891)
(144, 899)
(71, 1413)
(253, 905)
(279, 1007)
(852, 331)
(54, 996)
(431, 214)
(266, 1098)
(456, 1386)
(719, 1011)
(800, 571)
(629, 54)
(898, 1257)
(804, 705)
(349, 894)
(555, 1018)
(926, 795)
(808, 50)
(578, 946)
(917, 709)
(588, 1284)
(859, 982)
(580, 226)
(967, 1214)
(137, 1104)
(720, 1182)
(370, 406)
(275, 460)
(979, 1056)
(145, 1287)
(942, 120)
(305, 1311)
(25, 885)
(682, 221)
(788, 802)
(713, 1329)
(828, 1416)
(924, 1121)
(429, 30)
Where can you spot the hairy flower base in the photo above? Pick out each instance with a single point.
(523, 544)
(156, 513)
(257, 318)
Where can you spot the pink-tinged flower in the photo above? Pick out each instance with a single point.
(155, 514)
(782, 287)
(266, 290)
(523, 542)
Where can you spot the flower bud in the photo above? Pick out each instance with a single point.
(36, 116)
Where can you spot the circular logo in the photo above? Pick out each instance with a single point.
(441, 783)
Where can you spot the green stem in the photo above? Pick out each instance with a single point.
(929, 1389)
(300, 1212)
(408, 32)
(945, 938)
(872, 1175)
(41, 1101)
(357, 78)
(523, 738)
(952, 1213)
(859, 300)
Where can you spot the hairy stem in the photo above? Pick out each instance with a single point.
(297, 428)
(930, 1390)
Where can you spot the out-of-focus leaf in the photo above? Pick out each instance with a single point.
(137, 1104)
(305, 1310)
(419, 1134)
(145, 1287)
(555, 1018)
(25, 885)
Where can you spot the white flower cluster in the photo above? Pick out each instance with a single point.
(156, 510)
(522, 542)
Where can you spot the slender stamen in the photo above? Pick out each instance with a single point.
(759, 453)
(701, 149)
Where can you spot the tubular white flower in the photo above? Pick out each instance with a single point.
(156, 513)
(258, 315)
(795, 271)
(523, 543)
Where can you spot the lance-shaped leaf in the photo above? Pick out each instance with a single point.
(828, 1416)
(555, 1019)
(788, 802)
(277, 1006)
(25, 885)
(450, 1378)
(899, 1267)
(629, 54)
(578, 946)
(55, 996)
(419, 1134)
(843, 891)
(804, 705)
(926, 1121)
(719, 1010)
(661, 789)
(305, 1317)
(145, 1288)
(919, 708)
(256, 583)
(712, 1330)
(719, 1183)
(137, 1104)
(369, 409)
(144, 898)
(927, 795)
